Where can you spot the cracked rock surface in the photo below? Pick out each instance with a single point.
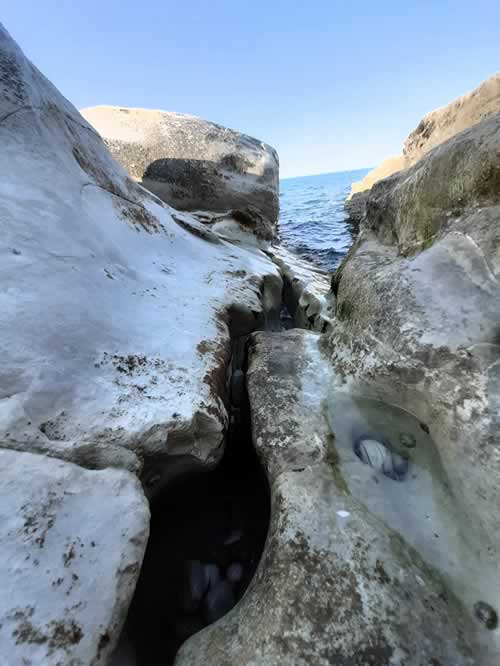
(335, 584)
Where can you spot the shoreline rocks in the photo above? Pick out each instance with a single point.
(335, 585)
(72, 543)
(417, 321)
(434, 129)
(190, 163)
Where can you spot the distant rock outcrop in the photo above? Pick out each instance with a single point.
(190, 163)
(434, 128)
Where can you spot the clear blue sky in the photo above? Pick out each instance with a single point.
(333, 85)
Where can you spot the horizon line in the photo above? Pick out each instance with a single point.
(326, 173)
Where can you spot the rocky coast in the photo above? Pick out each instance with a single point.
(214, 452)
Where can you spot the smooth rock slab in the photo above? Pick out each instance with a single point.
(71, 546)
(114, 309)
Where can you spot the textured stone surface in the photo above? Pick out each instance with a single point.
(190, 163)
(115, 308)
(389, 166)
(354, 206)
(447, 121)
(434, 129)
(418, 318)
(71, 546)
(335, 585)
(306, 291)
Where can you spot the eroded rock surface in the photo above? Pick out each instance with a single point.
(116, 309)
(335, 585)
(306, 292)
(418, 316)
(117, 313)
(190, 163)
(71, 546)
(434, 129)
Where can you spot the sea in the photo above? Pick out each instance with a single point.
(313, 222)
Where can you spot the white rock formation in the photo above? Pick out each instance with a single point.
(115, 324)
(190, 163)
(434, 129)
(71, 546)
(115, 308)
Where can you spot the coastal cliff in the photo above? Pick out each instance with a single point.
(215, 453)
(435, 128)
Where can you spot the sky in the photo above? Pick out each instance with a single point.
(332, 85)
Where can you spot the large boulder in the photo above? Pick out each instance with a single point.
(435, 128)
(417, 327)
(190, 163)
(117, 310)
(335, 585)
(460, 114)
(116, 326)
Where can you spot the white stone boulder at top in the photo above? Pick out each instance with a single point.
(189, 162)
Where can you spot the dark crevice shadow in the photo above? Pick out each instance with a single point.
(207, 536)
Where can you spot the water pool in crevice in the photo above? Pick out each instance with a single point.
(420, 505)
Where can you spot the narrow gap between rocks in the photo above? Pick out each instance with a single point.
(207, 533)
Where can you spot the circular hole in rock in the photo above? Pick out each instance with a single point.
(378, 454)
(207, 536)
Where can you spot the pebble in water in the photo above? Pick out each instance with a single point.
(486, 614)
(234, 572)
(408, 440)
(212, 575)
(219, 600)
(194, 587)
(376, 454)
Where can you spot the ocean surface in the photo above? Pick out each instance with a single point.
(312, 217)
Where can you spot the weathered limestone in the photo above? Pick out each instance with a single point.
(190, 163)
(115, 326)
(306, 292)
(335, 585)
(418, 315)
(116, 309)
(434, 129)
(446, 122)
(71, 546)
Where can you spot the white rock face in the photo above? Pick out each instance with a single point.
(71, 546)
(115, 308)
(417, 328)
(115, 320)
(307, 291)
(189, 162)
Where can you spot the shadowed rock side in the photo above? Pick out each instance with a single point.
(190, 163)
(435, 128)
(335, 585)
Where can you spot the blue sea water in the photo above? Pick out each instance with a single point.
(312, 217)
